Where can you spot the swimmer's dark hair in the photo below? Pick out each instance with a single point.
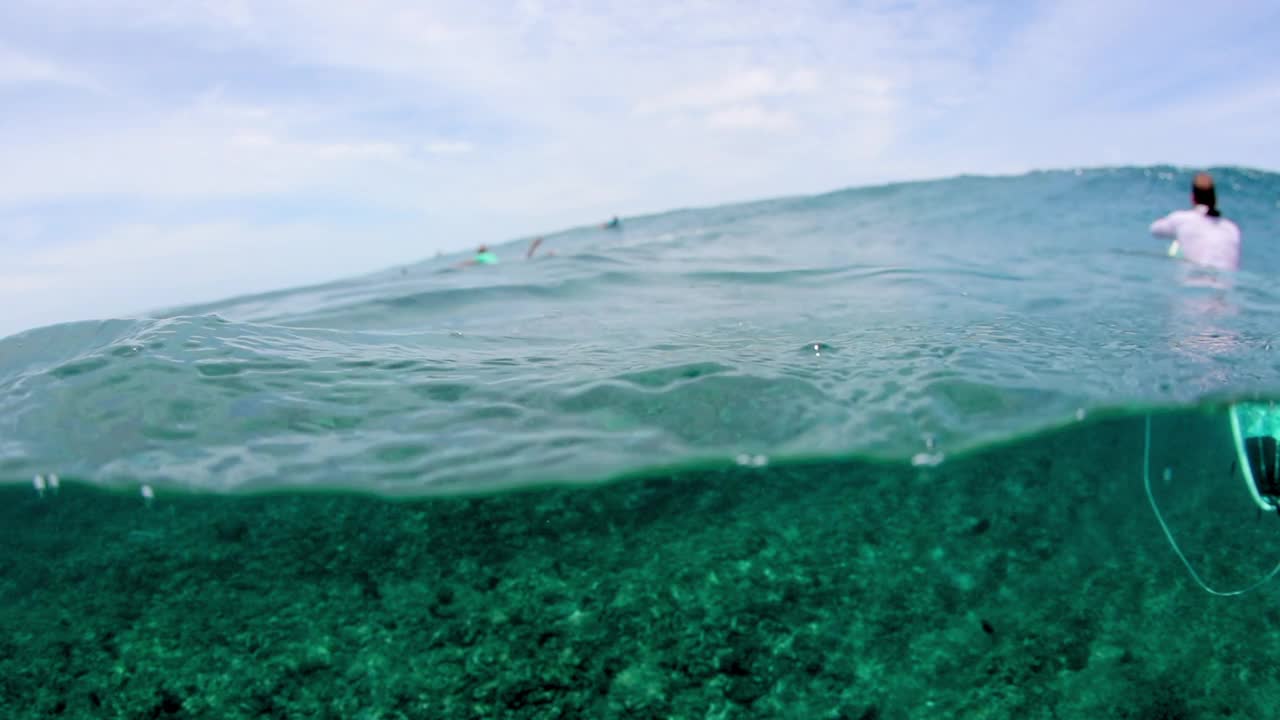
(1202, 193)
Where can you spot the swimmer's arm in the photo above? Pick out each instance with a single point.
(1165, 227)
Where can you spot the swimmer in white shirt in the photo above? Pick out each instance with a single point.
(1201, 234)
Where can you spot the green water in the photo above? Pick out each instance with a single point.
(1023, 582)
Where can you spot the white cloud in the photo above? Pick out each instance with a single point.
(1091, 82)
(449, 147)
(252, 139)
(744, 86)
(198, 151)
(559, 90)
(751, 117)
(19, 69)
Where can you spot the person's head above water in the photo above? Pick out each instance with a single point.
(483, 256)
(1203, 193)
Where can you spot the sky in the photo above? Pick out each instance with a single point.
(163, 153)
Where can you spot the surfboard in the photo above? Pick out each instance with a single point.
(1183, 459)
(1256, 430)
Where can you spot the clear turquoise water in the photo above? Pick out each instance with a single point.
(910, 322)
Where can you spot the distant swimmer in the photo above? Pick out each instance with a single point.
(533, 248)
(1201, 234)
(483, 256)
(613, 224)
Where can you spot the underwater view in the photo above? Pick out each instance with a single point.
(970, 447)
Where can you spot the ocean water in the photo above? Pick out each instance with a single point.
(893, 452)
(909, 321)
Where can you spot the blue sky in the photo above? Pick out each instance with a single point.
(158, 153)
